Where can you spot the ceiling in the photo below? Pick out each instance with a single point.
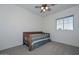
(54, 9)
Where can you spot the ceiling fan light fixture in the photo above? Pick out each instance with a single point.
(42, 8)
(46, 7)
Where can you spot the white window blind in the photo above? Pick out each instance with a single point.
(65, 23)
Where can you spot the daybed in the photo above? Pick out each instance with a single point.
(35, 39)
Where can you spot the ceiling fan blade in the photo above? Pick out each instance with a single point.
(52, 4)
(37, 6)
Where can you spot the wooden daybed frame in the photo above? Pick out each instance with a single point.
(28, 41)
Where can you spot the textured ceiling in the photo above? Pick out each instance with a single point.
(54, 9)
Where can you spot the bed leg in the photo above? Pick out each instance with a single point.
(30, 48)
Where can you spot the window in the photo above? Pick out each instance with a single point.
(65, 23)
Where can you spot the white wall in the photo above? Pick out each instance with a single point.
(13, 22)
(67, 37)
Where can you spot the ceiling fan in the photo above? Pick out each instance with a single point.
(45, 7)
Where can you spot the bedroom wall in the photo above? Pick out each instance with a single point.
(66, 37)
(13, 22)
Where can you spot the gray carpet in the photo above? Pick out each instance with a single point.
(51, 48)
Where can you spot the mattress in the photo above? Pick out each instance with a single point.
(40, 40)
(39, 36)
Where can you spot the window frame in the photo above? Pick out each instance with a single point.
(63, 23)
